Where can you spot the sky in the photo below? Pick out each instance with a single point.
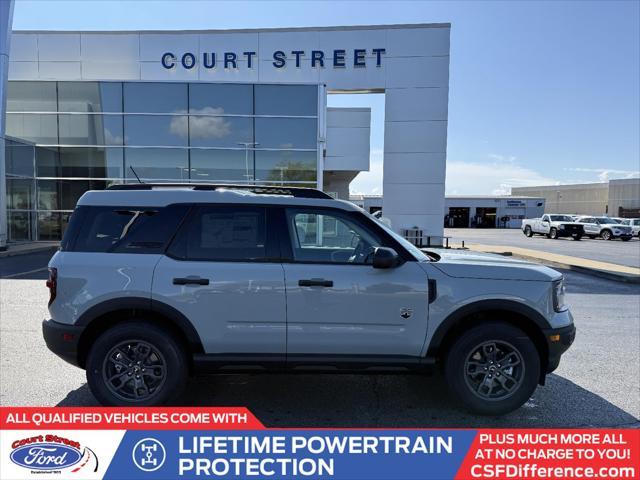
(540, 92)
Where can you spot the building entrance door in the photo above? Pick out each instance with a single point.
(486, 217)
(459, 217)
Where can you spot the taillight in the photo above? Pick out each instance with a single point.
(52, 284)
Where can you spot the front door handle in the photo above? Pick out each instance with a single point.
(315, 282)
(190, 281)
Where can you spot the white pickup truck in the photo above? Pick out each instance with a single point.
(553, 226)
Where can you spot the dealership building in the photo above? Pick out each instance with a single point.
(88, 109)
(616, 198)
(474, 211)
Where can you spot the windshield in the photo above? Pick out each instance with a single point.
(606, 220)
(561, 218)
(415, 251)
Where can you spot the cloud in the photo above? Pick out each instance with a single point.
(202, 127)
(369, 183)
(502, 158)
(463, 178)
(497, 176)
(494, 178)
(605, 174)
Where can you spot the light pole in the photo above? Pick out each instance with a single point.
(246, 146)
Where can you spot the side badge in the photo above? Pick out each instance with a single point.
(406, 312)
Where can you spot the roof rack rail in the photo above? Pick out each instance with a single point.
(298, 192)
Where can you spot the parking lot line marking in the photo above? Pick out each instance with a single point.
(19, 274)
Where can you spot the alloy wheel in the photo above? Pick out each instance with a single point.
(134, 370)
(494, 370)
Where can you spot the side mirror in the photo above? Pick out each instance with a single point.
(384, 257)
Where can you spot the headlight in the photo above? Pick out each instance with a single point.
(558, 296)
(561, 227)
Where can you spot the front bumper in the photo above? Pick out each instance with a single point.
(558, 341)
(570, 232)
(62, 340)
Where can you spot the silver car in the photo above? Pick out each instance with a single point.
(154, 283)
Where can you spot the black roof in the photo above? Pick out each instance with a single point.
(297, 192)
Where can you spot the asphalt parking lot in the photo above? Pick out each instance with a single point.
(597, 384)
(613, 251)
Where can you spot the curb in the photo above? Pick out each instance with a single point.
(618, 277)
(15, 253)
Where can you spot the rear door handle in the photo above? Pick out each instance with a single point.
(315, 282)
(190, 281)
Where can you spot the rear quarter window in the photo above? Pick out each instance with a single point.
(123, 229)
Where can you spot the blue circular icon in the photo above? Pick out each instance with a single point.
(149, 454)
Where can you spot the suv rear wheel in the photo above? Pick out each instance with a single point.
(136, 363)
(493, 368)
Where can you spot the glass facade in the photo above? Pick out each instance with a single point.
(65, 138)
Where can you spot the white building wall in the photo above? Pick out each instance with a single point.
(413, 72)
(624, 193)
(348, 139)
(578, 199)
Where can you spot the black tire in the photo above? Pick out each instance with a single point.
(528, 232)
(577, 237)
(626, 239)
(553, 234)
(606, 235)
(592, 237)
(166, 359)
(461, 384)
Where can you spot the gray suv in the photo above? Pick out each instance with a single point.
(154, 283)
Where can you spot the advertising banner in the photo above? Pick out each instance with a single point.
(167, 443)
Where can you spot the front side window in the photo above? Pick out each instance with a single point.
(329, 237)
(213, 233)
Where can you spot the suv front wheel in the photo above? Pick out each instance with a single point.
(493, 368)
(136, 363)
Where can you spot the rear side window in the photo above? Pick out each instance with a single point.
(126, 229)
(223, 233)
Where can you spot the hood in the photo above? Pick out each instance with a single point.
(615, 225)
(467, 264)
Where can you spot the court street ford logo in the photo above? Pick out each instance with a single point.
(48, 453)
